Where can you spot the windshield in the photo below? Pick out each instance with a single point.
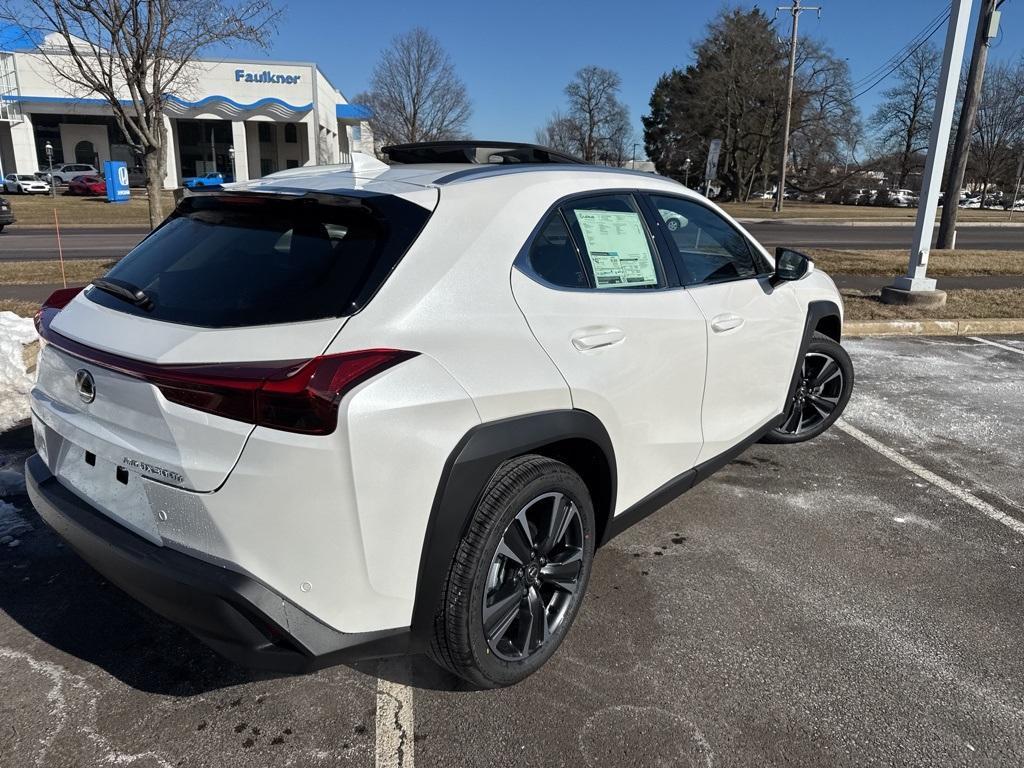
(234, 260)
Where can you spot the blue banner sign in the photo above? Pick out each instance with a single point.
(116, 174)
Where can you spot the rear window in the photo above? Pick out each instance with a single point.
(231, 260)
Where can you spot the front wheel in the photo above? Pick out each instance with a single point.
(519, 574)
(823, 389)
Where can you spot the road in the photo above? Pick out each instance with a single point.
(852, 601)
(86, 243)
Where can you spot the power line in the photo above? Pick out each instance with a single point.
(920, 44)
(926, 32)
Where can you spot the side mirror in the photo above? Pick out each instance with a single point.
(791, 265)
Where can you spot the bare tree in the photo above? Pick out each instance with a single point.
(415, 93)
(136, 54)
(903, 120)
(596, 125)
(999, 126)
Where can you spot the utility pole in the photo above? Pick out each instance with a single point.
(796, 9)
(916, 287)
(988, 26)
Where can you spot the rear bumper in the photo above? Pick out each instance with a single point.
(236, 615)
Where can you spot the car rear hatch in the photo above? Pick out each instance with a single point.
(159, 370)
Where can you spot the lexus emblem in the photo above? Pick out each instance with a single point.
(85, 385)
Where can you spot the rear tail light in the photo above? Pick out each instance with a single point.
(295, 396)
(54, 304)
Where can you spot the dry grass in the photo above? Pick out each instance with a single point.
(84, 211)
(961, 304)
(755, 210)
(19, 307)
(48, 272)
(958, 263)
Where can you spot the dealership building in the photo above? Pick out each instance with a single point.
(241, 118)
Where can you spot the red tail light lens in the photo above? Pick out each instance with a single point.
(307, 400)
(295, 396)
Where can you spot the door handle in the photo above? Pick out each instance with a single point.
(596, 338)
(726, 322)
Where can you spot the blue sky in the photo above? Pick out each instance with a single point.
(517, 57)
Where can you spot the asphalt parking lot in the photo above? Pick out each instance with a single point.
(852, 601)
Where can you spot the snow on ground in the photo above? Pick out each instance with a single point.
(12, 482)
(15, 383)
(11, 523)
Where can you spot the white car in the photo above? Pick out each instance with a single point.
(64, 173)
(341, 412)
(25, 184)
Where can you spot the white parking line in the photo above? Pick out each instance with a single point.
(967, 497)
(394, 719)
(997, 344)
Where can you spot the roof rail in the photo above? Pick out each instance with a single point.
(478, 152)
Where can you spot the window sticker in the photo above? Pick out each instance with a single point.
(618, 248)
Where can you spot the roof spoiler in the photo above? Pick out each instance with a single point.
(476, 152)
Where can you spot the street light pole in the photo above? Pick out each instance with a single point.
(686, 172)
(634, 156)
(916, 287)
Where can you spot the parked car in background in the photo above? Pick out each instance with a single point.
(66, 172)
(87, 185)
(903, 198)
(220, 420)
(673, 220)
(25, 184)
(6, 214)
(211, 179)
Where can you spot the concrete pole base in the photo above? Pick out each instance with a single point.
(933, 298)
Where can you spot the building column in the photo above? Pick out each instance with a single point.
(312, 139)
(172, 178)
(23, 142)
(240, 143)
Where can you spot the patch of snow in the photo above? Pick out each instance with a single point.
(12, 482)
(11, 523)
(15, 382)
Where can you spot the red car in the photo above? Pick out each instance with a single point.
(87, 185)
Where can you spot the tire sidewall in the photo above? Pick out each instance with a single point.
(822, 345)
(499, 672)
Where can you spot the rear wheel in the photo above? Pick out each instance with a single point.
(823, 389)
(519, 574)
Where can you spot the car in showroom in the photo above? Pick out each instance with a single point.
(86, 186)
(211, 179)
(6, 213)
(66, 172)
(25, 184)
(351, 411)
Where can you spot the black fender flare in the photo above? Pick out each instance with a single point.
(816, 312)
(466, 472)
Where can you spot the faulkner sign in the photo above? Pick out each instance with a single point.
(266, 76)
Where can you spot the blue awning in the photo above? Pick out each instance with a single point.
(353, 112)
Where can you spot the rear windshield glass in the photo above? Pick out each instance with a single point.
(232, 260)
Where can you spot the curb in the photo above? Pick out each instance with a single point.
(862, 328)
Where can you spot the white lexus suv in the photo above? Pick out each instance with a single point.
(365, 410)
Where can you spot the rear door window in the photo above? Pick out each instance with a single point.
(613, 239)
(242, 260)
